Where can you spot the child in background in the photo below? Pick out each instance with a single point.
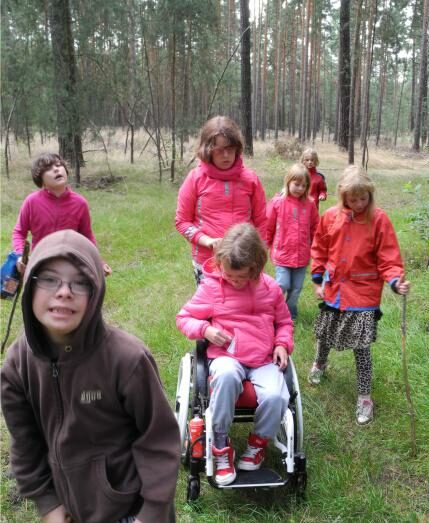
(354, 252)
(55, 207)
(318, 190)
(242, 313)
(219, 192)
(291, 224)
(93, 438)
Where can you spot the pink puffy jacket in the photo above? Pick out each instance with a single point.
(211, 200)
(256, 316)
(291, 226)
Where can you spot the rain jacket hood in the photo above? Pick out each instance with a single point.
(83, 254)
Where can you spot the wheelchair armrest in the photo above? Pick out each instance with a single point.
(289, 382)
(201, 367)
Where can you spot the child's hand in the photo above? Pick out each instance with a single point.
(107, 269)
(216, 336)
(322, 198)
(319, 292)
(280, 357)
(20, 266)
(58, 515)
(401, 286)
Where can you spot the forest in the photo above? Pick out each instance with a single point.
(347, 71)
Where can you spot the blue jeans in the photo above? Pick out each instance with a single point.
(291, 281)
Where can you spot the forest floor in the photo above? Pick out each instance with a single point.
(355, 474)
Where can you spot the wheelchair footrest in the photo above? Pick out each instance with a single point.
(256, 479)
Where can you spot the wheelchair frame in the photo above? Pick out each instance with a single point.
(192, 398)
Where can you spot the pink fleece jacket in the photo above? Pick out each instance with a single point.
(291, 226)
(43, 213)
(256, 316)
(210, 200)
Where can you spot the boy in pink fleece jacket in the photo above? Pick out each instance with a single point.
(219, 192)
(54, 208)
(242, 313)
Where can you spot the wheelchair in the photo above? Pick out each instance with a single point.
(192, 399)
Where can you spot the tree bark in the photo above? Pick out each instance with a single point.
(246, 78)
(423, 77)
(344, 74)
(65, 85)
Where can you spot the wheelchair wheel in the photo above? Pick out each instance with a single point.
(183, 393)
(193, 491)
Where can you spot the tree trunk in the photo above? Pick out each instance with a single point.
(423, 77)
(65, 85)
(344, 74)
(355, 70)
(246, 78)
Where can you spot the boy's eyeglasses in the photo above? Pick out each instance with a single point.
(51, 283)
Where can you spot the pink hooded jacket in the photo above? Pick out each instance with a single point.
(291, 226)
(256, 316)
(211, 200)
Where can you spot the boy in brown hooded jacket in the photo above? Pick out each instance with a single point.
(93, 438)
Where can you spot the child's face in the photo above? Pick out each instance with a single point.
(58, 308)
(357, 202)
(222, 153)
(238, 278)
(297, 188)
(309, 162)
(55, 178)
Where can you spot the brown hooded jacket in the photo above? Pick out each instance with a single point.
(90, 429)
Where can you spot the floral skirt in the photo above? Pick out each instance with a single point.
(346, 329)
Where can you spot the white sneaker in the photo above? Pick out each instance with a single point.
(364, 411)
(316, 373)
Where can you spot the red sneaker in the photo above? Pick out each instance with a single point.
(254, 455)
(224, 462)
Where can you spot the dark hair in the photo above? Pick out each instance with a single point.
(44, 162)
(242, 247)
(219, 126)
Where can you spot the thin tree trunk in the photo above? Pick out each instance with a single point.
(246, 78)
(355, 69)
(344, 74)
(68, 119)
(423, 77)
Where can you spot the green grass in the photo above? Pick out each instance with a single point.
(355, 474)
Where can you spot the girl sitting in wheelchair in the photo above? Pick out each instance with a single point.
(242, 313)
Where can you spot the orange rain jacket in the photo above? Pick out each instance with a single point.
(353, 257)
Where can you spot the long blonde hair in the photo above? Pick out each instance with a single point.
(297, 172)
(355, 181)
(242, 247)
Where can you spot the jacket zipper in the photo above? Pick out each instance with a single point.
(55, 375)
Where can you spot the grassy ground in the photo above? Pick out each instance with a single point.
(355, 474)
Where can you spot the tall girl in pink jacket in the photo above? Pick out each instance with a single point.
(242, 313)
(219, 192)
(292, 222)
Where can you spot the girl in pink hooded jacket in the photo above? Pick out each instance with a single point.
(292, 222)
(219, 192)
(242, 313)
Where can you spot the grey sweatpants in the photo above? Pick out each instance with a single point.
(270, 387)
